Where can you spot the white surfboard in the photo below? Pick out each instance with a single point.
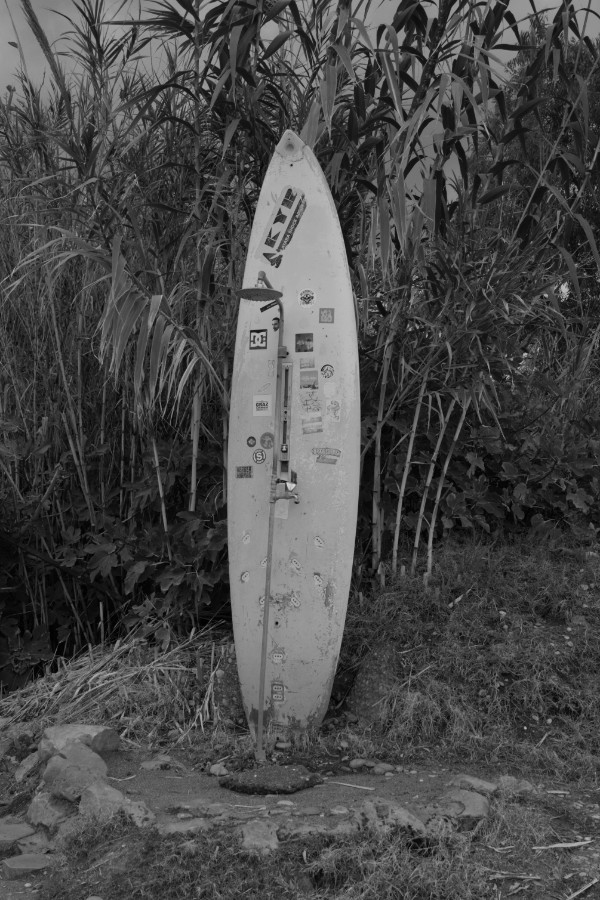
(294, 448)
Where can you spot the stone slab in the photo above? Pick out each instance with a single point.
(271, 780)
(25, 864)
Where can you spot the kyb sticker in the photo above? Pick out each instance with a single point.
(243, 471)
(309, 379)
(283, 224)
(258, 338)
(327, 371)
(261, 404)
(259, 456)
(304, 343)
(306, 298)
(327, 455)
(277, 692)
(327, 315)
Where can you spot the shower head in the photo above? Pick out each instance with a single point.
(261, 294)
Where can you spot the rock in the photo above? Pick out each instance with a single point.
(469, 782)
(357, 763)
(375, 681)
(26, 766)
(49, 811)
(69, 773)
(190, 826)
(339, 811)
(271, 780)
(466, 808)
(283, 745)
(11, 832)
(38, 842)
(298, 828)
(21, 866)
(308, 811)
(161, 762)
(101, 801)
(259, 836)
(219, 770)
(508, 784)
(382, 815)
(383, 769)
(99, 738)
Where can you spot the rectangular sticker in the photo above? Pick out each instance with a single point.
(309, 379)
(307, 363)
(304, 343)
(258, 339)
(327, 315)
(280, 230)
(243, 471)
(311, 424)
(261, 404)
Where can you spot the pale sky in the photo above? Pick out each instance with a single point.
(54, 24)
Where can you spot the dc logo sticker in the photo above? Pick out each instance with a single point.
(258, 339)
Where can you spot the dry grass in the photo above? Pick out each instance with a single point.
(142, 691)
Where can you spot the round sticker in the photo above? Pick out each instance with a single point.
(266, 440)
(251, 441)
(306, 297)
(259, 456)
(327, 371)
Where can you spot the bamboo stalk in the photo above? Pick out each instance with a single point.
(161, 493)
(434, 456)
(406, 471)
(195, 427)
(438, 495)
(376, 516)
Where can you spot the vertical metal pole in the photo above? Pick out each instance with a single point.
(260, 751)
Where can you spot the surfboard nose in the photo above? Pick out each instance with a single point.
(290, 147)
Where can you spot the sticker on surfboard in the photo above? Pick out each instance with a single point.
(282, 225)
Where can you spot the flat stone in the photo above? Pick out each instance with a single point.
(357, 763)
(189, 826)
(26, 766)
(99, 738)
(508, 784)
(219, 770)
(11, 832)
(339, 811)
(259, 836)
(469, 782)
(49, 811)
(26, 864)
(271, 780)
(102, 801)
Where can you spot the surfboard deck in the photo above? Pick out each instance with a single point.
(296, 240)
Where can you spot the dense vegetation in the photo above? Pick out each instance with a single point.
(461, 147)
